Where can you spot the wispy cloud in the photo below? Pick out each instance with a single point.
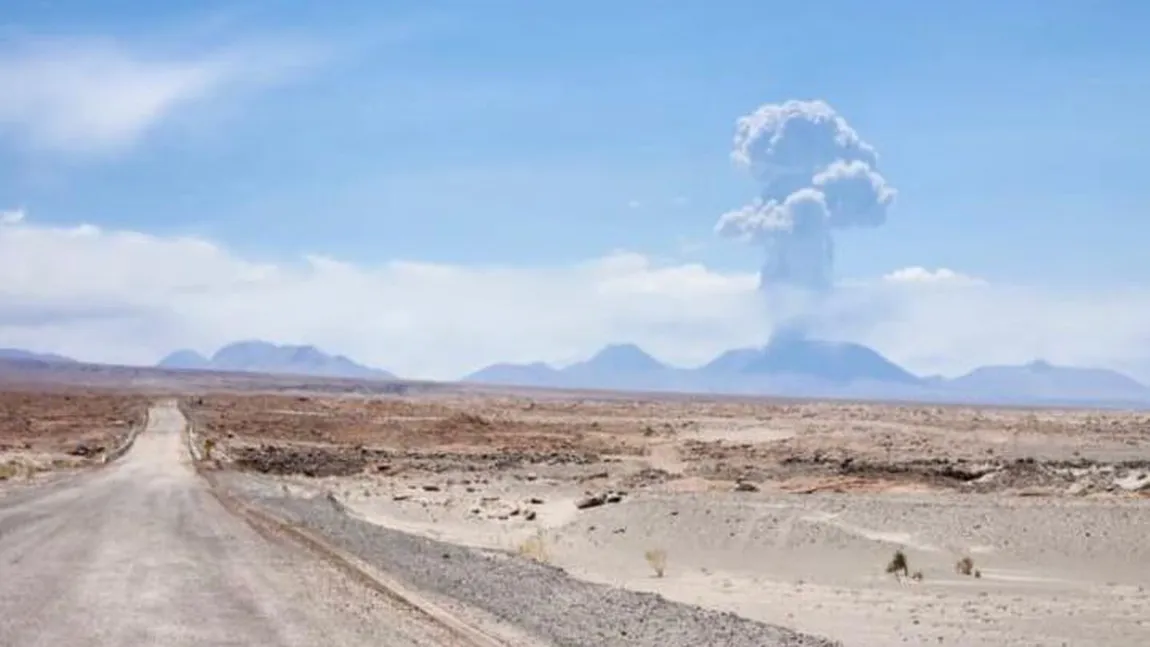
(917, 274)
(12, 217)
(96, 96)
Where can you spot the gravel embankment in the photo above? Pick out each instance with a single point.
(536, 598)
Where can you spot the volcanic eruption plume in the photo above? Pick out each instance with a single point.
(817, 175)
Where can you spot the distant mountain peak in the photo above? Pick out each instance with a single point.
(533, 374)
(732, 361)
(26, 355)
(259, 356)
(1042, 381)
(624, 357)
(835, 361)
(184, 359)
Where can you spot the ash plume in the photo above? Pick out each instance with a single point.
(817, 175)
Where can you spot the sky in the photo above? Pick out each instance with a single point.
(432, 187)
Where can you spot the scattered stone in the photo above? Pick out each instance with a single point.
(535, 500)
(529, 515)
(85, 450)
(593, 501)
(596, 500)
(744, 486)
(431, 488)
(1134, 482)
(531, 476)
(401, 497)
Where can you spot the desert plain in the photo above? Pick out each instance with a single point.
(1016, 526)
(46, 431)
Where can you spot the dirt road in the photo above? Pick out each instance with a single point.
(141, 553)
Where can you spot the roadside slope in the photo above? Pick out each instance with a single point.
(539, 599)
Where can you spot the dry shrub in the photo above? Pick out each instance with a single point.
(467, 419)
(10, 470)
(657, 559)
(898, 564)
(964, 566)
(535, 547)
(917, 577)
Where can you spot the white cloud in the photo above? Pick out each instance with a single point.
(12, 217)
(953, 327)
(87, 96)
(918, 274)
(634, 204)
(125, 296)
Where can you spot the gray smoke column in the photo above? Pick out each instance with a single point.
(817, 175)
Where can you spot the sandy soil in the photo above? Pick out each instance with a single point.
(781, 512)
(45, 431)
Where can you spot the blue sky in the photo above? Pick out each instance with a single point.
(528, 134)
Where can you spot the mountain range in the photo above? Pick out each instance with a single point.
(20, 355)
(800, 367)
(256, 356)
(787, 366)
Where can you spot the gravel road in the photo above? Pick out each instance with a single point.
(539, 599)
(141, 553)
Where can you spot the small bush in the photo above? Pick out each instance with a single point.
(964, 566)
(657, 559)
(535, 548)
(898, 564)
(917, 577)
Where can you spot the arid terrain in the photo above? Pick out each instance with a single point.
(45, 431)
(1019, 527)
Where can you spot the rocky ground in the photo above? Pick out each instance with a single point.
(783, 513)
(45, 431)
(789, 447)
